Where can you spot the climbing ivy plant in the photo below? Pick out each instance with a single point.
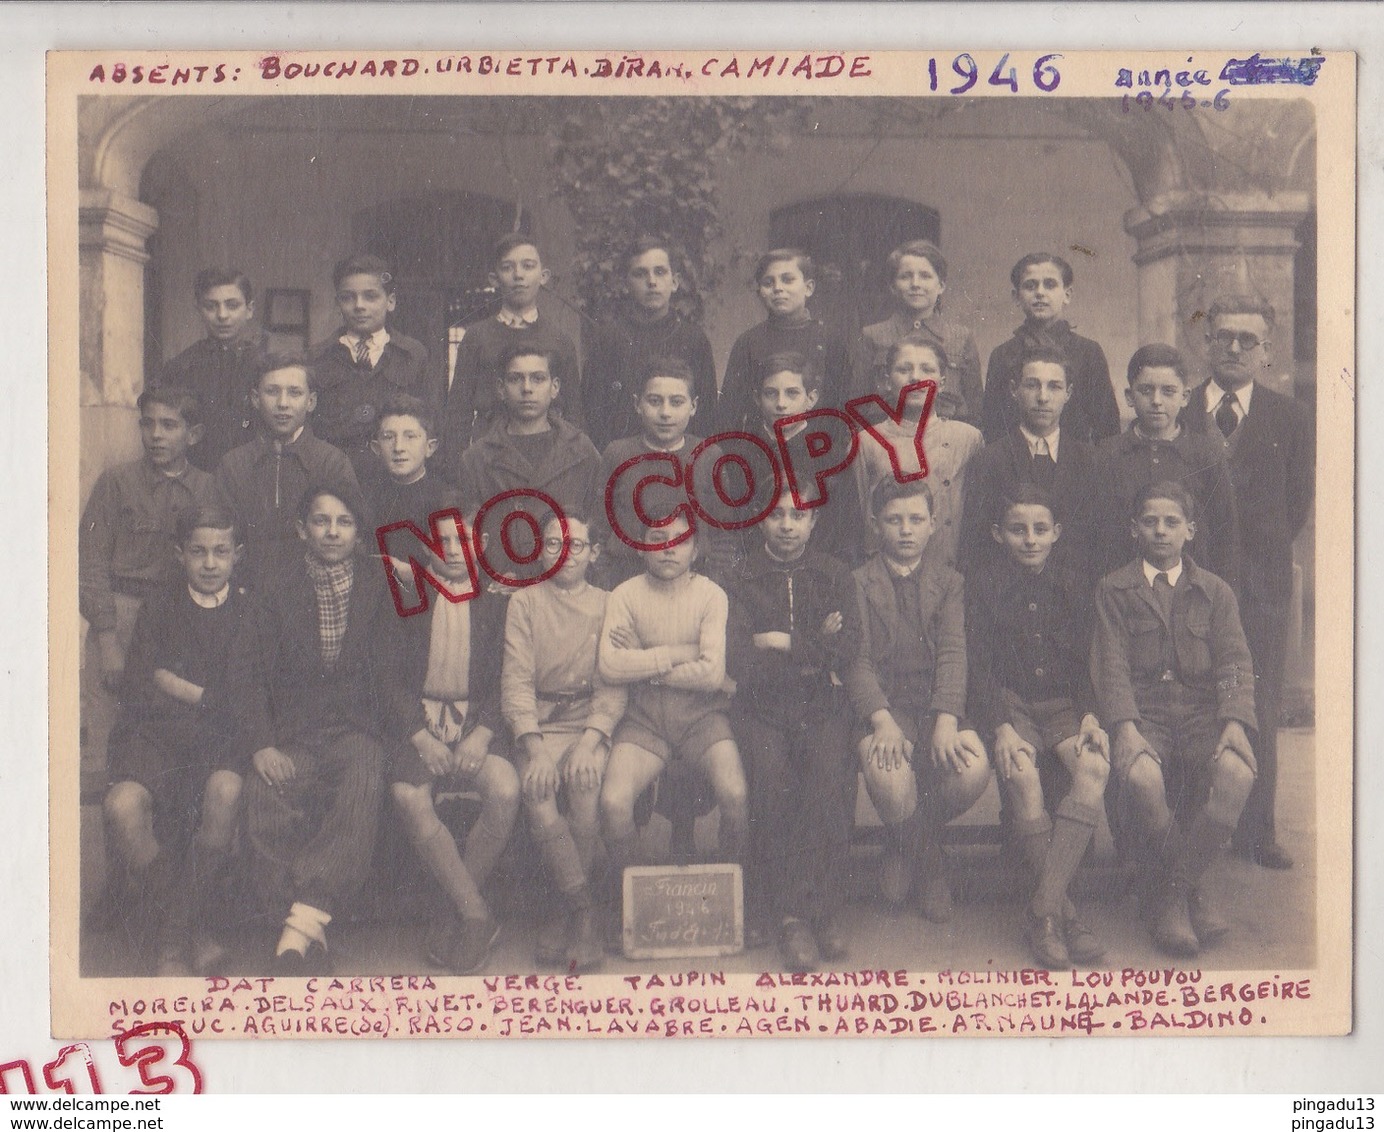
(627, 167)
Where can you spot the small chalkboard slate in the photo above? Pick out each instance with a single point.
(683, 910)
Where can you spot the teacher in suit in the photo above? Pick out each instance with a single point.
(1270, 444)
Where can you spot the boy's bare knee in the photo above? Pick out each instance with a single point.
(1091, 774)
(1234, 777)
(127, 804)
(223, 790)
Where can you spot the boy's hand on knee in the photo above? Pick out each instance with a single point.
(1013, 754)
(112, 661)
(889, 747)
(947, 748)
(1092, 737)
(584, 765)
(275, 767)
(1234, 739)
(471, 751)
(833, 624)
(436, 755)
(540, 778)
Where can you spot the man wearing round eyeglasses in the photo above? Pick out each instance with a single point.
(1270, 444)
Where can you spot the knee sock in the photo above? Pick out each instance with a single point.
(205, 872)
(733, 835)
(1032, 836)
(487, 841)
(1199, 846)
(560, 857)
(304, 926)
(619, 856)
(1071, 834)
(438, 850)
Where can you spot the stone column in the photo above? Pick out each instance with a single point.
(112, 233)
(1194, 246)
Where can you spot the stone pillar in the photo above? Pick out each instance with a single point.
(113, 230)
(1194, 246)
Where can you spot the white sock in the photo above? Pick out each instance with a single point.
(304, 926)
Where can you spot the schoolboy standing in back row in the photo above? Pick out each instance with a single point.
(472, 405)
(220, 369)
(1269, 441)
(645, 328)
(1043, 288)
(366, 364)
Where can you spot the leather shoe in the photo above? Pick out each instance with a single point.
(831, 944)
(475, 937)
(1172, 926)
(296, 965)
(935, 897)
(1208, 925)
(796, 945)
(551, 947)
(1083, 945)
(586, 948)
(1045, 942)
(1271, 855)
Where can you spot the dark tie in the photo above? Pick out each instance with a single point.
(363, 352)
(1044, 466)
(1163, 594)
(1227, 414)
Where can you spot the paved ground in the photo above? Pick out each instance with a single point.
(1271, 913)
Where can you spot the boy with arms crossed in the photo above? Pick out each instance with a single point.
(795, 626)
(664, 637)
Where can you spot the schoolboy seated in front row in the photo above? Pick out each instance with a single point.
(562, 715)
(1028, 630)
(922, 766)
(1157, 447)
(175, 768)
(449, 671)
(264, 481)
(1037, 450)
(665, 405)
(794, 627)
(530, 447)
(316, 681)
(127, 526)
(1175, 683)
(664, 637)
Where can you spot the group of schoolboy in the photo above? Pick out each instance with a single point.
(269, 695)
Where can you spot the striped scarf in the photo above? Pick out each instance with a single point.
(332, 584)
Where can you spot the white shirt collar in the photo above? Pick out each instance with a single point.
(1151, 572)
(1033, 441)
(507, 317)
(1214, 393)
(211, 601)
(377, 341)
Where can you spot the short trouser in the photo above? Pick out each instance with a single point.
(449, 722)
(1043, 724)
(673, 723)
(172, 759)
(1183, 727)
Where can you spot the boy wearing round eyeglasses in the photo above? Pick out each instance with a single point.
(1269, 443)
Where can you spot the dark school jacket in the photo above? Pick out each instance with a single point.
(1091, 414)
